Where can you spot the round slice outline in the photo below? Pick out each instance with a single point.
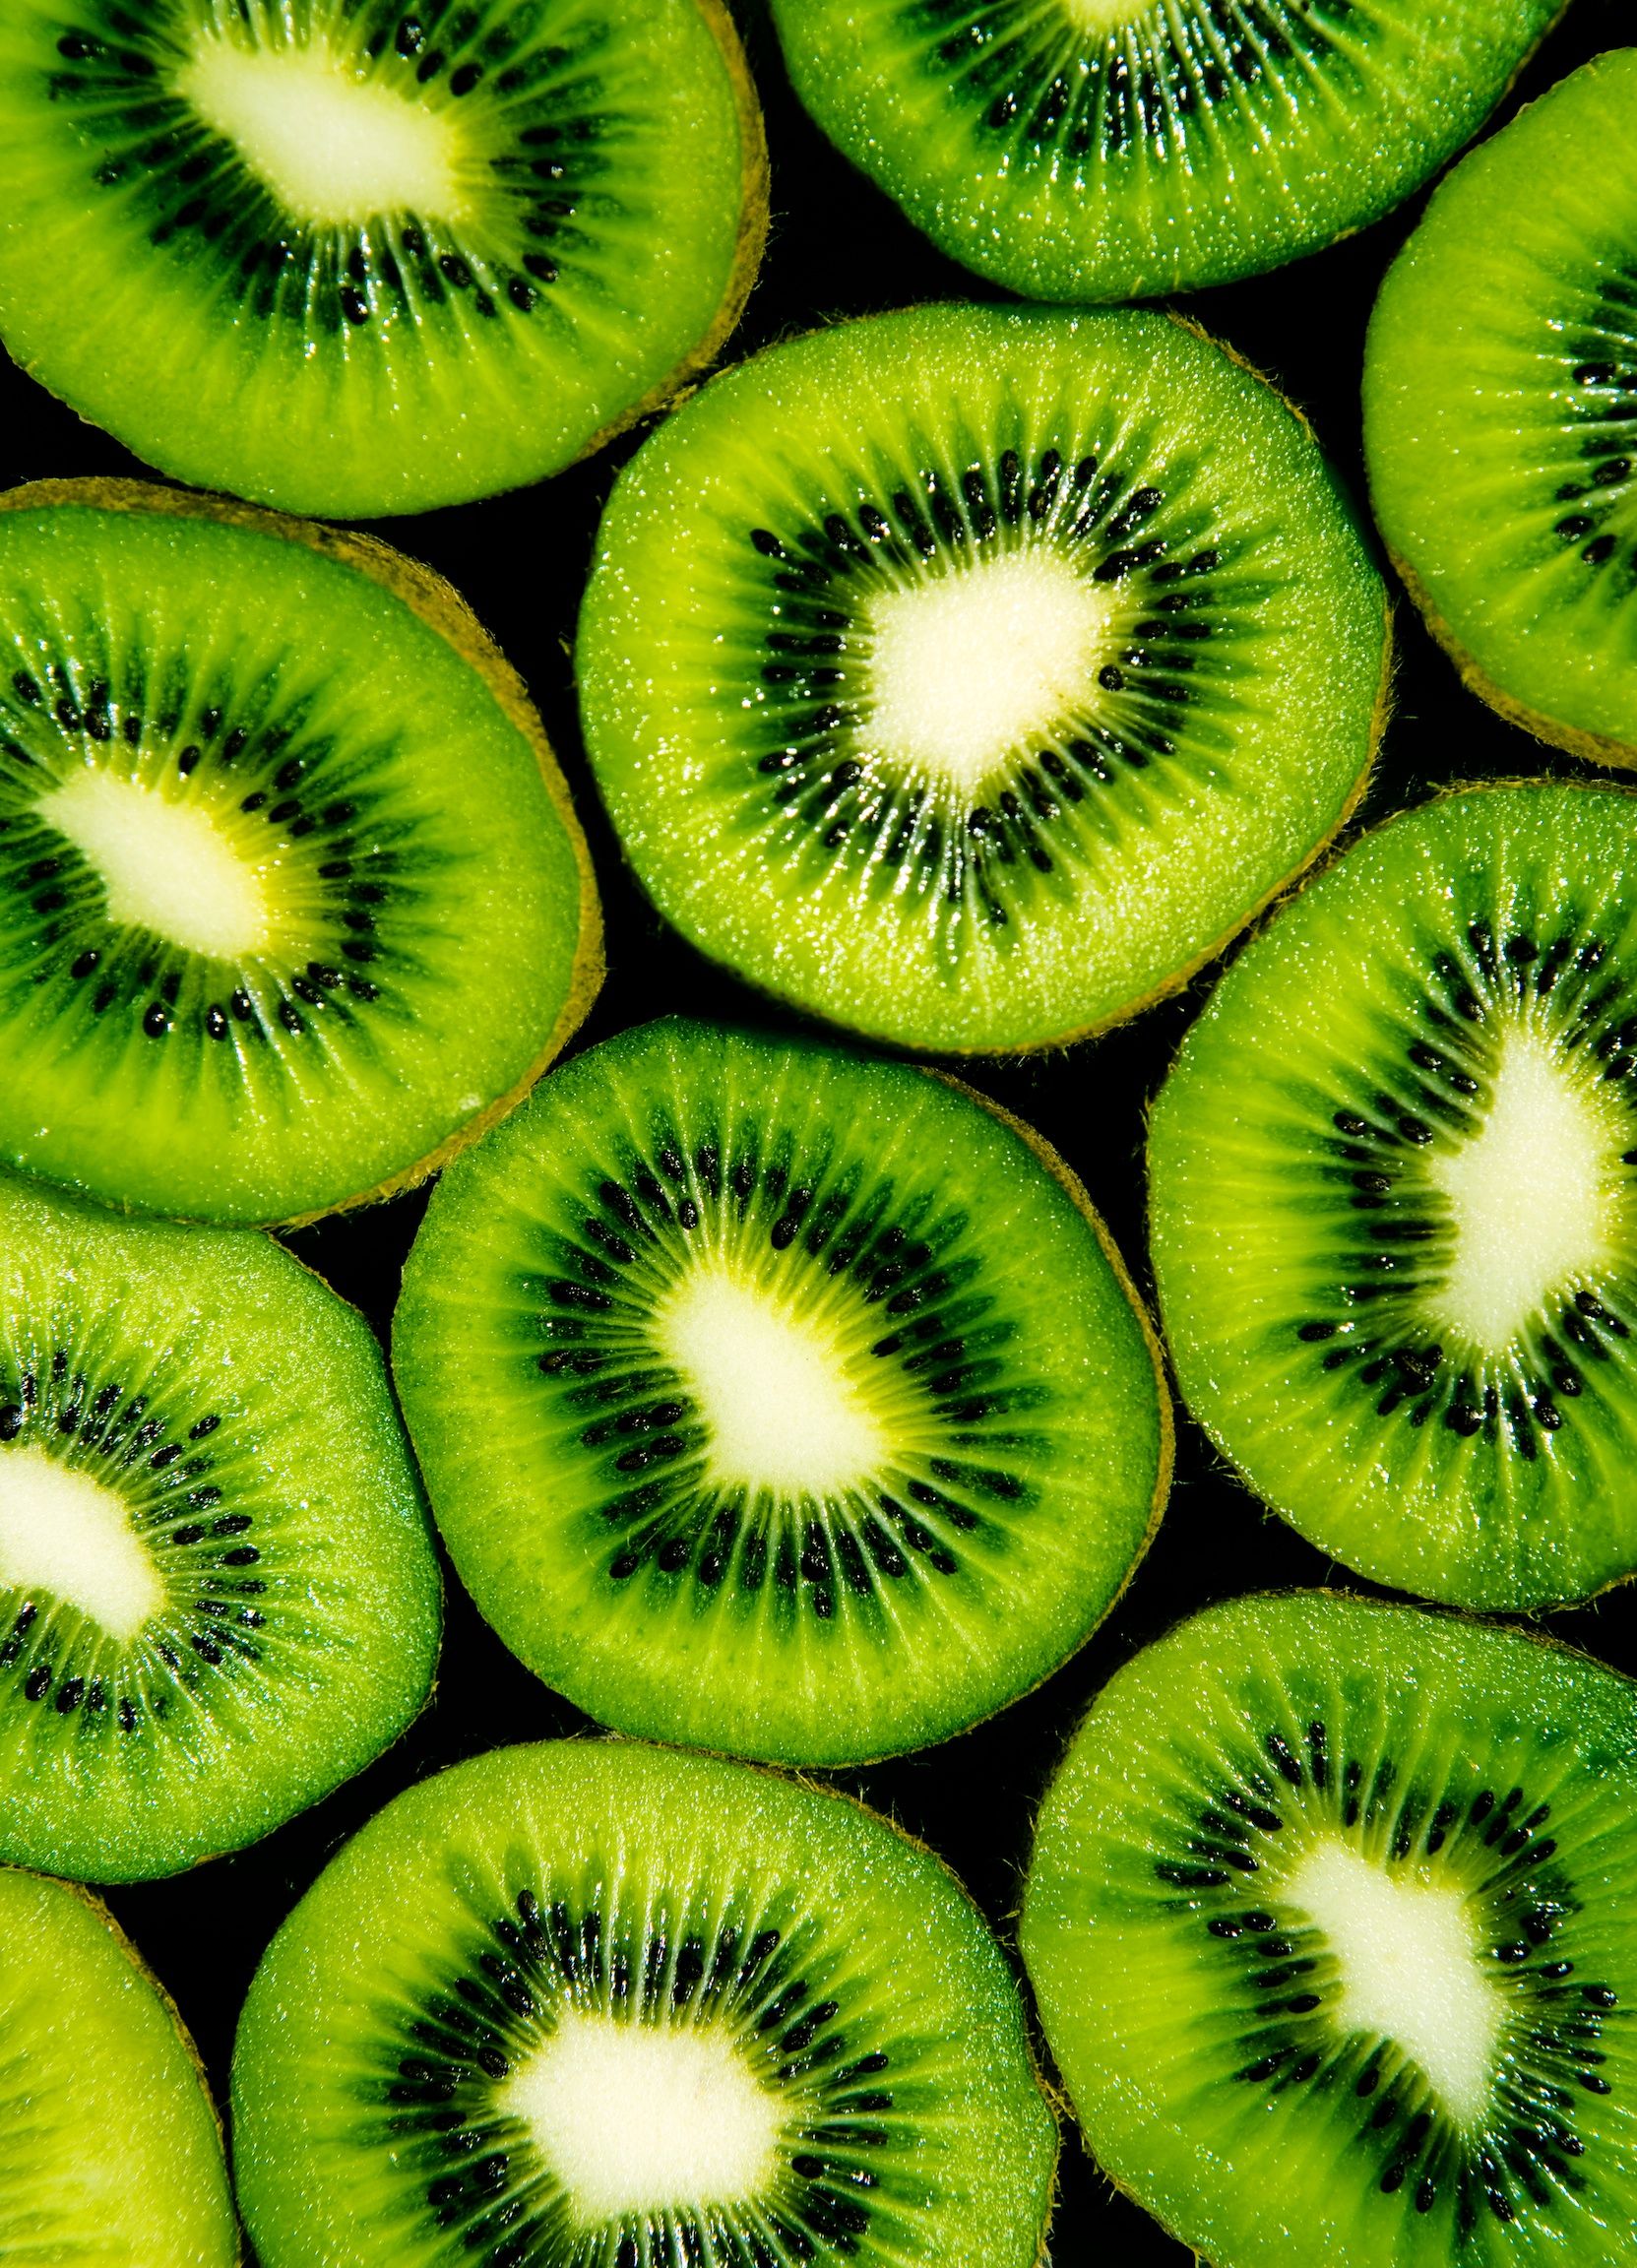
(1462, 1366)
(739, 1941)
(188, 1658)
(1494, 1852)
(433, 605)
(1513, 329)
(635, 1526)
(901, 832)
(93, 1952)
(483, 271)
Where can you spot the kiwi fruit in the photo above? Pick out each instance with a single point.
(112, 2155)
(353, 258)
(219, 1597)
(1096, 150)
(292, 900)
(622, 2007)
(1500, 413)
(1022, 655)
(1394, 1212)
(1329, 1923)
(724, 1361)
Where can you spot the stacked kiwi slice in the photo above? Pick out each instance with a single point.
(1500, 413)
(217, 1591)
(1330, 1925)
(359, 259)
(618, 2008)
(1021, 656)
(1393, 1180)
(111, 2151)
(1115, 149)
(292, 898)
(724, 1362)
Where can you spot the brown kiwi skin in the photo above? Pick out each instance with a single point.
(1227, 1467)
(1055, 2091)
(441, 607)
(1179, 978)
(1596, 747)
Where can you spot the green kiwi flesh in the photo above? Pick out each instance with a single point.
(1500, 413)
(1329, 1923)
(774, 1400)
(1021, 656)
(590, 2005)
(1394, 1206)
(113, 2157)
(359, 259)
(292, 896)
(219, 1597)
(1100, 149)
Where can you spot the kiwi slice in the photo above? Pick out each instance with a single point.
(113, 2157)
(1394, 1205)
(292, 900)
(618, 2008)
(722, 1359)
(219, 1597)
(1329, 1922)
(1500, 413)
(1022, 655)
(351, 257)
(1114, 149)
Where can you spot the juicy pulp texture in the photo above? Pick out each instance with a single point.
(1100, 150)
(776, 1400)
(618, 2004)
(352, 261)
(1394, 1205)
(292, 896)
(1021, 656)
(1501, 413)
(217, 1593)
(1329, 1923)
(111, 2157)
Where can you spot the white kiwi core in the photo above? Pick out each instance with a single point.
(166, 866)
(64, 1532)
(1412, 1969)
(966, 665)
(633, 2117)
(335, 147)
(784, 1408)
(1533, 1193)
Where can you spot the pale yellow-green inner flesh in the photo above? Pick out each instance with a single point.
(65, 1534)
(335, 147)
(168, 866)
(634, 2116)
(1532, 1194)
(1411, 1962)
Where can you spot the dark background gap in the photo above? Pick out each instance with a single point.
(839, 247)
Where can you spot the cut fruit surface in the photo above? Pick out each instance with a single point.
(1021, 656)
(1500, 413)
(1329, 1924)
(778, 1401)
(113, 2157)
(1117, 149)
(622, 2005)
(350, 261)
(1394, 1202)
(219, 1597)
(292, 898)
